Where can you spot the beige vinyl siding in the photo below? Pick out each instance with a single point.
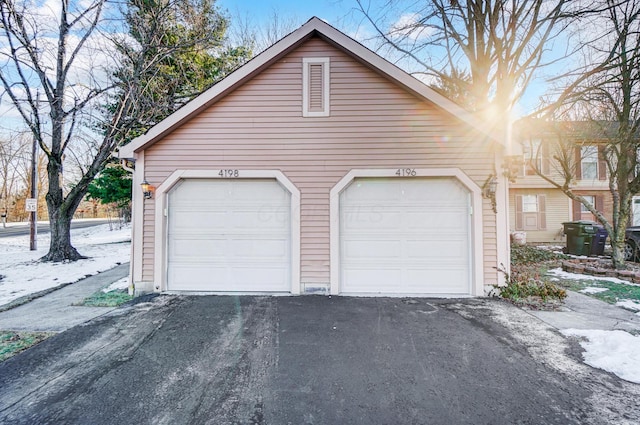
(373, 124)
(557, 212)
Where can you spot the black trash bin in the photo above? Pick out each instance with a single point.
(579, 236)
(598, 240)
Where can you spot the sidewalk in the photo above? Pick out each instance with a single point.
(583, 312)
(55, 311)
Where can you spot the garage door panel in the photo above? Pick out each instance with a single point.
(437, 220)
(405, 236)
(197, 277)
(372, 248)
(198, 191)
(365, 280)
(267, 249)
(362, 219)
(229, 235)
(259, 219)
(362, 191)
(442, 250)
(197, 247)
(442, 280)
(258, 190)
(245, 278)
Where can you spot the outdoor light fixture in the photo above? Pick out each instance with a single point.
(489, 190)
(147, 189)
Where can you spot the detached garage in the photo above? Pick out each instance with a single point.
(318, 167)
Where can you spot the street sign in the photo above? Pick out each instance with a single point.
(31, 205)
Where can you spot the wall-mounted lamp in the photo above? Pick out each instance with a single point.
(147, 189)
(489, 190)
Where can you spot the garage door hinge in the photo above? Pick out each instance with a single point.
(166, 213)
(470, 210)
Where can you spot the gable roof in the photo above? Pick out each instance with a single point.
(314, 26)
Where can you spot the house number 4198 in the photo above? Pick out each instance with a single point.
(406, 172)
(229, 173)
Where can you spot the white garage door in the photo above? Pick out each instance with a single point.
(229, 235)
(405, 236)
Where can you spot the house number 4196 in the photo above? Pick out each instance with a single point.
(229, 173)
(406, 172)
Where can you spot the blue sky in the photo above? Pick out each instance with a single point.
(329, 10)
(346, 17)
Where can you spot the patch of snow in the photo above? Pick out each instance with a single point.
(632, 305)
(593, 290)
(559, 273)
(613, 351)
(24, 274)
(118, 285)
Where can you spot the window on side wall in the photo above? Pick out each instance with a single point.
(591, 200)
(581, 212)
(532, 157)
(531, 212)
(589, 162)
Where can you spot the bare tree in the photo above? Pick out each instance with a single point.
(53, 53)
(12, 148)
(605, 94)
(245, 31)
(487, 50)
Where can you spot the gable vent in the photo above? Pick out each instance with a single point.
(315, 91)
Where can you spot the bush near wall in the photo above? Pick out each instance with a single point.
(527, 285)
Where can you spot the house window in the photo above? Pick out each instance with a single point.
(591, 200)
(529, 203)
(581, 212)
(315, 87)
(531, 212)
(589, 162)
(532, 157)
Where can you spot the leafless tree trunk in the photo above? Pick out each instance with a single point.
(44, 73)
(606, 93)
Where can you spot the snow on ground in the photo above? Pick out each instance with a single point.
(593, 290)
(561, 274)
(24, 275)
(632, 305)
(613, 351)
(117, 285)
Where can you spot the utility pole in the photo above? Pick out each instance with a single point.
(33, 215)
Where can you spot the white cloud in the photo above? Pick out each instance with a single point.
(409, 26)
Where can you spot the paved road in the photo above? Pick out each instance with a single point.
(311, 360)
(23, 229)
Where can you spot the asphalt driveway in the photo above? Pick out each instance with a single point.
(311, 360)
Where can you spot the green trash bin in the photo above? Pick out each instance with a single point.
(579, 236)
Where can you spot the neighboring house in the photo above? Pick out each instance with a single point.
(318, 167)
(537, 207)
